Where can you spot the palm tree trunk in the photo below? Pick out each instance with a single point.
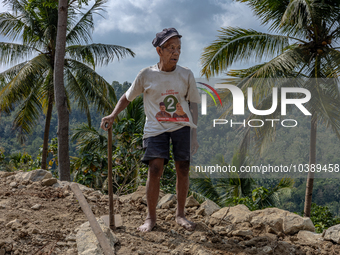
(47, 132)
(312, 160)
(60, 95)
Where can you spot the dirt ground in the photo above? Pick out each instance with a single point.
(50, 228)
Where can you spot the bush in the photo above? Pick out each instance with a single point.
(322, 218)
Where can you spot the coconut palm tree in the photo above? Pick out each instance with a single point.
(28, 85)
(301, 42)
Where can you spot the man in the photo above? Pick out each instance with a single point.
(162, 113)
(169, 83)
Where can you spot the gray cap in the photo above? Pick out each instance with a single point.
(165, 35)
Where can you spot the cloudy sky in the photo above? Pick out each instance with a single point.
(134, 24)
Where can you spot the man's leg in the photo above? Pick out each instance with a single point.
(182, 187)
(152, 192)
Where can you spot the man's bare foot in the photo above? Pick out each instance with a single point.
(148, 225)
(188, 225)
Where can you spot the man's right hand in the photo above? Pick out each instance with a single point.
(107, 122)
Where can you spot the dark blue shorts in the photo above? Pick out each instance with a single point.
(159, 146)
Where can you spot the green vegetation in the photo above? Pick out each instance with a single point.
(28, 86)
(322, 218)
(301, 43)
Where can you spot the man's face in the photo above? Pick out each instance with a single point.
(162, 107)
(169, 53)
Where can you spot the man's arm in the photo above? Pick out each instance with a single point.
(120, 106)
(194, 114)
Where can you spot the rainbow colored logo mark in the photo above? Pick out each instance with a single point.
(207, 91)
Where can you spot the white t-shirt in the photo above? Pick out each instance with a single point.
(166, 97)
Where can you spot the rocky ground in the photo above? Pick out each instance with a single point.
(42, 216)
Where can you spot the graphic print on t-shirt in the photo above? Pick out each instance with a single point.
(171, 109)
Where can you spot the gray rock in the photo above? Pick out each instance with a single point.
(191, 202)
(34, 176)
(333, 234)
(71, 237)
(236, 214)
(209, 207)
(62, 184)
(6, 174)
(309, 238)
(34, 231)
(87, 242)
(49, 182)
(13, 184)
(293, 223)
(139, 193)
(267, 249)
(270, 217)
(9, 224)
(246, 232)
(36, 207)
(165, 199)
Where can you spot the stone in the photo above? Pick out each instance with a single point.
(34, 176)
(9, 224)
(213, 221)
(209, 207)
(139, 193)
(71, 237)
(165, 199)
(174, 232)
(191, 202)
(97, 193)
(332, 234)
(13, 184)
(202, 252)
(168, 217)
(267, 249)
(49, 182)
(241, 232)
(87, 242)
(293, 223)
(6, 174)
(2, 242)
(65, 184)
(309, 238)
(125, 198)
(36, 207)
(203, 239)
(200, 211)
(270, 217)
(236, 214)
(34, 231)
(2, 251)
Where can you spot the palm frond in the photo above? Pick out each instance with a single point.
(28, 114)
(89, 139)
(81, 31)
(11, 26)
(75, 91)
(20, 86)
(205, 187)
(95, 87)
(237, 44)
(11, 53)
(97, 53)
(269, 11)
